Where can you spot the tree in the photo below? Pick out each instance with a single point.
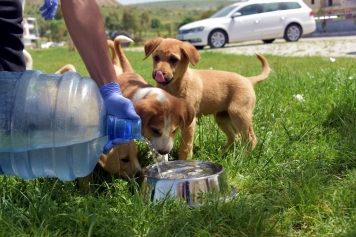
(156, 23)
(58, 31)
(145, 21)
(129, 22)
(58, 15)
(112, 22)
(206, 14)
(187, 20)
(168, 27)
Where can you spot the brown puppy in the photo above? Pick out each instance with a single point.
(229, 96)
(121, 162)
(161, 113)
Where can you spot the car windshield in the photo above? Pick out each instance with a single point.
(223, 12)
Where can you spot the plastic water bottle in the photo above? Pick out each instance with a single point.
(54, 125)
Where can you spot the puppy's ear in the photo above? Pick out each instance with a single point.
(187, 113)
(110, 162)
(150, 46)
(191, 53)
(144, 110)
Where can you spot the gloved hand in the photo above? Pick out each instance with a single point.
(118, 106)
(49, 9)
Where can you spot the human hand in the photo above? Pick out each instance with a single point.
(118, 106)
(49, 9)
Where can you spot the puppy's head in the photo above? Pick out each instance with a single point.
(162, 118)
(171, 58)
(122, 161)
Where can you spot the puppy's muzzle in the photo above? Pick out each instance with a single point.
(161, 78)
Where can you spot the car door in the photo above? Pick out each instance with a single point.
(272, 20)
(247, 25)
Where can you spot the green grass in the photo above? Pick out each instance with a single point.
(299, 181)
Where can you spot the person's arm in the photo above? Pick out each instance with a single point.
(86, 28)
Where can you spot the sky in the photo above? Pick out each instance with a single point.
(127, 2)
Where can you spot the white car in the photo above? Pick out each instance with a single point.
(248, 20)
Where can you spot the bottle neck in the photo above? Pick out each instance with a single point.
(123, 128)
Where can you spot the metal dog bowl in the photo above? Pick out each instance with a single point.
(190, 180)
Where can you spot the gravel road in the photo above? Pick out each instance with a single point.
(326, 47)
(343, 46)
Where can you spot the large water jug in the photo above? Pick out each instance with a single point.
(54, 125)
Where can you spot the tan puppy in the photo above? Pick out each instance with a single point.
(121, 162)
(161, 113)
(229, 96)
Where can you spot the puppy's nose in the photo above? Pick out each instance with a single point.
(163, 152)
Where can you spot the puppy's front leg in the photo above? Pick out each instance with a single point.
(186, 142)
(84, 184)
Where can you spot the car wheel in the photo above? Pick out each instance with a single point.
(268, 41)
(292, 33)
(217, 39)
(124, 33)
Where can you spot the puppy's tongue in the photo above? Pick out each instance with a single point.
(159, 77)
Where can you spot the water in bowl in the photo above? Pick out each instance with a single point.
(183, 170)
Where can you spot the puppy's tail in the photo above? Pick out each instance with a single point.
(66, 68)
(28, 59)
(114, 58)
(265, 71)
(125, 64)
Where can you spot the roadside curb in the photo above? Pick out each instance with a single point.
(330, 34)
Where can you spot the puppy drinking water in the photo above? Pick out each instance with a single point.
(161, 113)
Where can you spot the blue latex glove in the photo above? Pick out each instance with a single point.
(118, 106)
(49, 9)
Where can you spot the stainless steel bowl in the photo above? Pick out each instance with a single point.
(190, 180)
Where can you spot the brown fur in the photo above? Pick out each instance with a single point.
(229, 96)
(66, 68)
(161, 113)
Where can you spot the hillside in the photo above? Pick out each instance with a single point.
(186, 4)
(102, 3)
(181, 4)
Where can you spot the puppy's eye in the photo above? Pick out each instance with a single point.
(156, 131)
(125, 160)
(156, 58)
(173, 60)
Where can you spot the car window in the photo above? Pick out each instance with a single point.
(223, 12)
(290, 5)
(270, 7)
(250, 9)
